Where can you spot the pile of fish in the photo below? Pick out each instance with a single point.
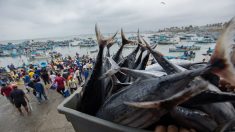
(121, 90)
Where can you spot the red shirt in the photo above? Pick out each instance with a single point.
(60, 82)
(6, 91)
(71, 70)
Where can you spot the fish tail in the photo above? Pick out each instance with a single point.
(124, 39)
(100, 38)
(223, 58)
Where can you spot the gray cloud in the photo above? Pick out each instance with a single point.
(22, 19)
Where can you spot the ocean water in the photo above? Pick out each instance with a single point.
(65, 51)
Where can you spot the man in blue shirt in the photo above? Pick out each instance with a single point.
(26, 81)
(37, 71)
(86, 73)
(39, 91)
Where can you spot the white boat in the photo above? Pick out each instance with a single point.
(130, 46)
(94, 51)
(38, 56)
(205, 40)
(74, 44)
(87, 43)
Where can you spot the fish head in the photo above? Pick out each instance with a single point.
(223, 57)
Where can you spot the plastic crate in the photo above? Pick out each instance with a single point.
(86, 123)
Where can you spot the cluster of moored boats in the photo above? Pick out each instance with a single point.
(167, 39)
(37, 49)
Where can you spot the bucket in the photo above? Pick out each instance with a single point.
(86, 123)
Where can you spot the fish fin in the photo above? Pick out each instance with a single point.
(115, 80)
(114, 69)
(100, 38)
(226, 127)
(154, 46)
(150, 48)
(110, 44)
(209, 96)
(140, 43)
(124, 39)
(223, 57)
(138, 36)
(142, 47)
(169, 67)
(196, 87)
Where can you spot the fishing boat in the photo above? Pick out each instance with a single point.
(94, 51)
(130, 46)
(184, 48)
(38, 56)
(209, 51)
(55, 54)
(165, 40)
(87, 43)
(4, 55)
(193, 47)
(177, 50)
(205, 40)
(153, 39)
(65, 43)
(74, 44)
(43, 48)
(182, 57)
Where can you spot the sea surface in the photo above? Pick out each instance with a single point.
(69, 50)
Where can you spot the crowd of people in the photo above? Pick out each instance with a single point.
(63, 75)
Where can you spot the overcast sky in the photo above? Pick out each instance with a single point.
(27, 19)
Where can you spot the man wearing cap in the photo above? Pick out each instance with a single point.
(18, 97)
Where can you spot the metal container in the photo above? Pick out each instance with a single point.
(86, 123)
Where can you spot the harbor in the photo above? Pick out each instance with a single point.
(35, 52)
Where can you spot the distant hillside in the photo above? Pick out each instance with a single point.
(216, 27)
